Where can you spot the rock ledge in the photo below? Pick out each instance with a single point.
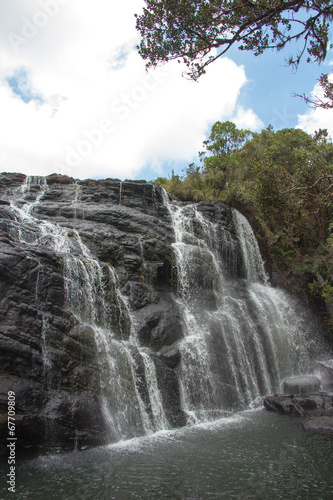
(316, 410)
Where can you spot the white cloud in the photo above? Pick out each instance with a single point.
(246, 118)
(102, 114)
(318, 118)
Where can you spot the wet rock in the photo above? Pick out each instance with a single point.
(289, 405)
(170, 355)
(316, 410)
(51, 360)
(325, 369)
(159, 324)
(319, 425)
(47, 357)
(304, 384)
(169, 387)
(320, 403)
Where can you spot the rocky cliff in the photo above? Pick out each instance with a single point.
(49, 357)
(122, 314)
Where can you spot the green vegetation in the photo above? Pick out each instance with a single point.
(284, 180)
(188, 30)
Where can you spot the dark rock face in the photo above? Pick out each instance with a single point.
(47, 356)
(33, 321)
(290, 405)
(316, 410)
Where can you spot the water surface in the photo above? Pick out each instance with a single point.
(252, 455)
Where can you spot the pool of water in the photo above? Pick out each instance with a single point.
(252, 455)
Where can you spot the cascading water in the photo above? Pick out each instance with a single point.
(241, 336)
(253, 263)
(92, 294)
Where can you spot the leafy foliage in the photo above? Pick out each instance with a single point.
(190, 29)
(326, 101)
(285, 179)
(199, 31)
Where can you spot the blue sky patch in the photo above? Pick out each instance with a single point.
(21, 86)
(119, 57)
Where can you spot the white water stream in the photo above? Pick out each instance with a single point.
(93, 295)
(249, 338)
(241, 337)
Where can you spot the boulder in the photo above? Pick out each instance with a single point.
(316, 410)
(320, 425)
(289, 405)
(304, 384)
(159, 325)
(170, 355)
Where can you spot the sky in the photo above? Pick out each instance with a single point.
(75, 97)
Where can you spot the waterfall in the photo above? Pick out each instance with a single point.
(237, 336)
(253, 263)
(130, 398)
(241, 336)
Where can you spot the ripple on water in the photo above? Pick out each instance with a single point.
(253, 454)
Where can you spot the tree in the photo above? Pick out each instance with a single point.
(220, 159)
(188, 30)
(293, 188)
(326, 101)
(285, 146)
(284, 179)
(225, 138)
